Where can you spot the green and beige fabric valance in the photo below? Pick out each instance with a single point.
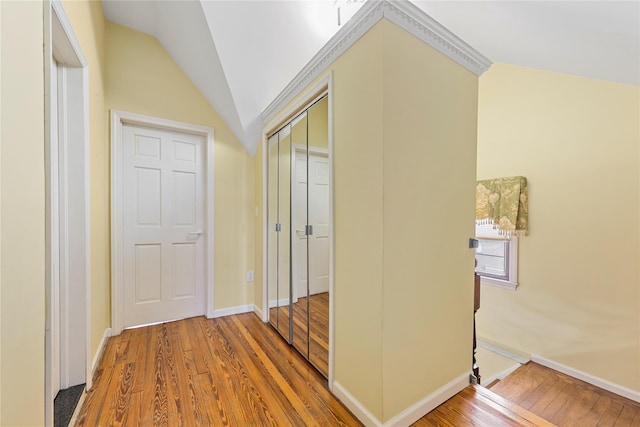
(503, 203)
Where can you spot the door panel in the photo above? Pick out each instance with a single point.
(284, 235)
(300, 303)
(163, 195)
(272, 230)
(319, 219)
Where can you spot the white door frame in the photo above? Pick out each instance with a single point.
(118, 118)
(324, 86)
(62, 45)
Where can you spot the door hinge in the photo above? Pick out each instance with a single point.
(308, 230)
(278, 228)
(473, 243)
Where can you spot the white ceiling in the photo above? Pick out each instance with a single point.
(241, 54)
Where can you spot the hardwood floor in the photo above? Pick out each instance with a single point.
(237, 371)
(566, 401)
(477, 406)
(230, 371)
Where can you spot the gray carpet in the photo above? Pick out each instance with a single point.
(64, 404)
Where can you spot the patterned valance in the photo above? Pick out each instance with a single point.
(503, 203)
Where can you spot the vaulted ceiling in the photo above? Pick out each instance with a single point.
(242, 54)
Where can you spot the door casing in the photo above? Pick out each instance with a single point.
(118, 118)
(67, 342)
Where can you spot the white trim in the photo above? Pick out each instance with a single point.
(485, 233)
(504, 352)
(258, 311)
(279, 302)
(87, 225)
(402, 13)
(332, 293)
(73, 54)
(61, 43)
(409, 415)
(591, 379)
(357, 408)
(429, 403)
(500, 375)
(101, 347)
(504, 284)
(265, 226)
(118, 118)
(239, 309)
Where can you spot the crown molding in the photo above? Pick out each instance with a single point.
(402, 13)
(408, 16)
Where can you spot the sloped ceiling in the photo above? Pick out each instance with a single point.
(241, 54)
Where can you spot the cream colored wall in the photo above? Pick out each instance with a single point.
(358, 219)
(577, 141)
(429, 169)
(22, 212)
(87, 21)
(318, 119)
(258, 230)
(142, 78)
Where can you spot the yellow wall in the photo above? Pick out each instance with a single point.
(404, 147)
(22, 212)
(358, 203)
(318, 119)
(258, 229)
(87, 20)
(429, 161)
(577, 141)
(142, 78)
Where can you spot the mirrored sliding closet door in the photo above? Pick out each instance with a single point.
(298, 234)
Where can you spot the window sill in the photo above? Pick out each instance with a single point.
(504, 284)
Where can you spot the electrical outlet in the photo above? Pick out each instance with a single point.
(250, 276)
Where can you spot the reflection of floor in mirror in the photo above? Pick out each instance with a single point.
(318, 328)
(317, 343)
(494, 366)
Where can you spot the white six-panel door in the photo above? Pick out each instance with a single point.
(163, 224)
(318, 218)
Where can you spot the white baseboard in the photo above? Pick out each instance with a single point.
(591, 379)
(279, 302)
(361, 413)
(98, 356)
(258, 311)
(500, 376)
(239, 309)
(429, 403)
(505, 352)
(409, 415)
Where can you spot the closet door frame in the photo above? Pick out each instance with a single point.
(322, 88)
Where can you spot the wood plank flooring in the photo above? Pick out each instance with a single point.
(230, 371)
(477, 406)
(566, 401)
(237, 371)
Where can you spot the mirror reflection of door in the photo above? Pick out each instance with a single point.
(299, 171)
(279, 233)
(299, 219)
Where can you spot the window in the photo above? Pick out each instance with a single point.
(497, 258)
